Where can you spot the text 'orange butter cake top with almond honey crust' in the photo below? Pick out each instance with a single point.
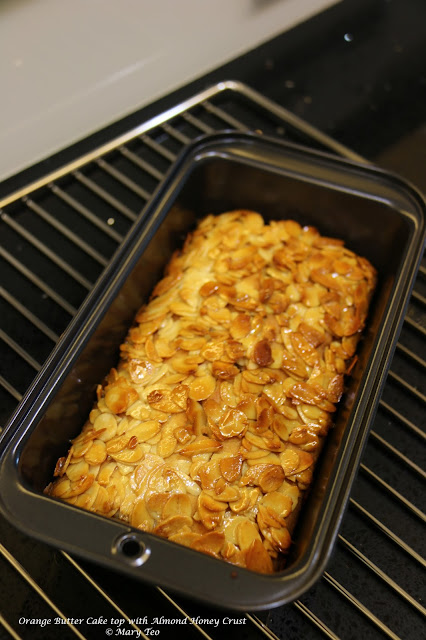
(208, 430)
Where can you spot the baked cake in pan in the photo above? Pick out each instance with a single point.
(208, 431)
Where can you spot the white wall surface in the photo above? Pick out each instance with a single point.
(70, 67)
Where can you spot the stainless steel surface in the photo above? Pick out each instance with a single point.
(58, 235)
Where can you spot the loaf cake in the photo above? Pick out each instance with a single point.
(208, 430)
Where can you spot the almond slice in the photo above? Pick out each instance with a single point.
(202, 445)
(129, 456)
(155, 503)
(271, 478)
(178, 504)
(77, 470)
(234, 424)
(280, 539)
(230, 467)
(258, 559)
(211, 503)
(172, 525)
(211, 543)
(289, 460)
(167, 445)
(118, 397)
(97, 453)
(247, 532)
(161, 399)
(282, 505)
(144, 430)
(228, 494)
(81, 448)
(186, 538)
(210, 519)
(213, 351)
(224, 370)
(106, 426)
(240, 326)
(247, 501)
(202, 388)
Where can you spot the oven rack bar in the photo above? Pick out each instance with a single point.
(119, 206)
(40, 592)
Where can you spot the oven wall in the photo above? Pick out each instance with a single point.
(68, 69)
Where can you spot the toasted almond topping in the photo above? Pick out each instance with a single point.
(180, 395)
(304, 438)
(208, 473)
(228, 393)
(197, 417)
(257, 376)
(234, 350)
(311, 334)
(66, 489)
(101, 503)
(191, 344)
(164, 348)
(62, 464)
(60, 488)
(77, 470)
(258, 474)
(304, 349)
(293, 364)
(184, 363)
(167, 445)
(207, 430)
(266, 518)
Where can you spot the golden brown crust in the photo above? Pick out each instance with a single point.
(208, 431)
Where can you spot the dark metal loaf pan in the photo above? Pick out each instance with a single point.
(377, 214)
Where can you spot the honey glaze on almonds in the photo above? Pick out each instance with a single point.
(208, 430)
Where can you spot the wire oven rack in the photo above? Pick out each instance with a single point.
(56, 237)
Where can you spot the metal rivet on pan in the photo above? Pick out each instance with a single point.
(131, 549)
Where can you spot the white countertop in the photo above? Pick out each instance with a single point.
(70, 67)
